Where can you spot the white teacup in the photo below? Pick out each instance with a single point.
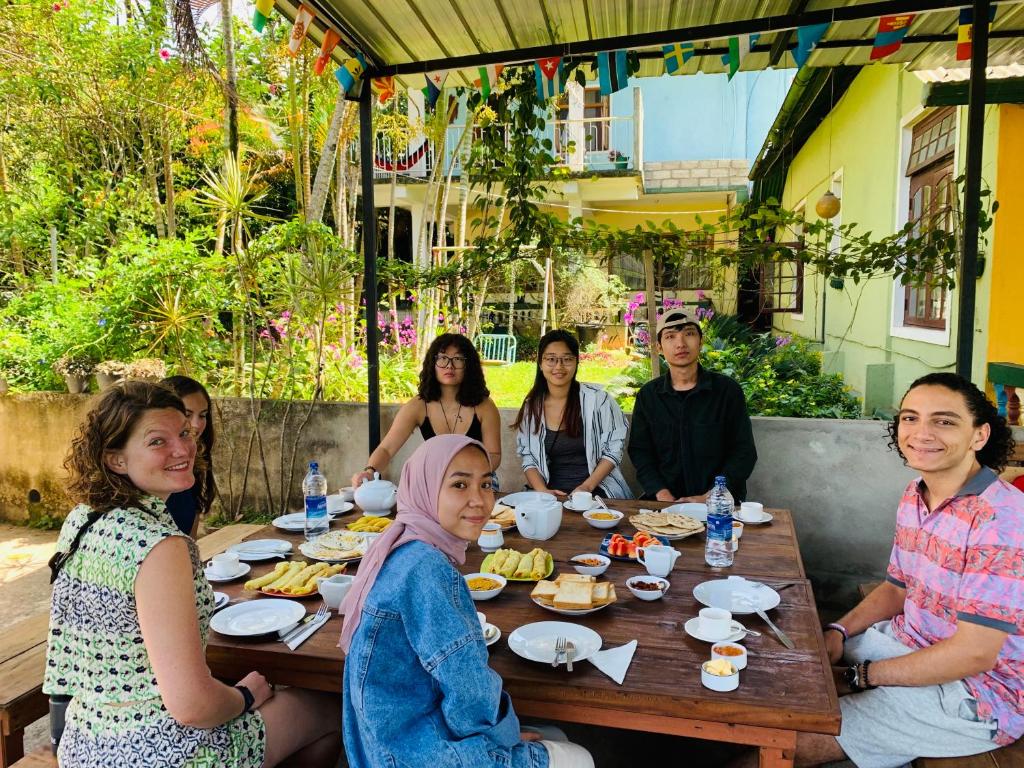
(348, 493)
(335, 503)
(482, 618)
(582, 499)
(715, 623)
(491, 537)
(334, 588)
(225, 564)
(751, 511)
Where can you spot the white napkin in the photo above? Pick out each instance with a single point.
(304, 635)
(615, 661)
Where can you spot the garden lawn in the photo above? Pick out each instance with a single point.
(510, 383)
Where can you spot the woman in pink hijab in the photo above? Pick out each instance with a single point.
(418, 690)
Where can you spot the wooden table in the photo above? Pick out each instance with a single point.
(781, 692)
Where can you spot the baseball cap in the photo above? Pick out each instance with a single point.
(674, 318)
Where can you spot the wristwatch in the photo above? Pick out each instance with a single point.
(852, 677)
(247, 697)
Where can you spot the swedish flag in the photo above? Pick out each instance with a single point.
(676, 55)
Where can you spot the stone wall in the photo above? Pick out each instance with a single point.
(689, 175)
(838, 477)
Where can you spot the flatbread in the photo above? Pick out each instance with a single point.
(666, 523)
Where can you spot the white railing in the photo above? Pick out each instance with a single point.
(588, 144)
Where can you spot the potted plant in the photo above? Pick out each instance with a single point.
(75, 369)
(620, 161)
(108, 372)
(148, 369)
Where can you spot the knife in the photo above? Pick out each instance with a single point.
(783, 637)
(306, 633)
(291, 633)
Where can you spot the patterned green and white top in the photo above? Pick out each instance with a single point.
(95, 653)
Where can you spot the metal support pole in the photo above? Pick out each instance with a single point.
(972, 189)
(369, 265)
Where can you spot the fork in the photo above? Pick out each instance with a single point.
(320, 615)
(559, 650)
(570, 649)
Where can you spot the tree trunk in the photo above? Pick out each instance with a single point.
(296, 143)
(652, 315)
(325, 168)
(169, 183)
(307, 192)
(149, 168)
(19, 262)
(231, 79)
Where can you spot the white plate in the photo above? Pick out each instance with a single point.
(346, 506)
(260, 549)
(697, 511)
(765, 518)
(308, 549)
(536, 642)
(692, 629)
(569, 612)
(242, 570)
(220, 600)
(764, 597)
(257, 617)
(294, 522)
(495, 637)
(523, 496)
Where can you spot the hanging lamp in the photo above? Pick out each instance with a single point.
(828, 206)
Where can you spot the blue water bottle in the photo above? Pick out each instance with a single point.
(718, 552)
(314, 489)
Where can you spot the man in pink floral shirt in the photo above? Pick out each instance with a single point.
(936, 653)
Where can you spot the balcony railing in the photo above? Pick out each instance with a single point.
(590, 144)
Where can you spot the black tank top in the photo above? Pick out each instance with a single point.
(475, 431)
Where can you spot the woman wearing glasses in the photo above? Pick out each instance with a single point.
(453, 399)
(570, 435)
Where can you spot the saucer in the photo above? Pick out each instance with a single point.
(220, 600)
(493, 638)
(692, 628)
(764, 518)
(573, 508)
(243, 568)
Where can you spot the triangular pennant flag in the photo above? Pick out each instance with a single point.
(806, 39)
(676, 55)
(303, 18)
(488, 78)
(548, 73)
(384, 87)
(331, 39)
(965, 32)
(261, 15)
(612, 71)
(739, 47)
(435, 82)
(889, 37)
(349, 73)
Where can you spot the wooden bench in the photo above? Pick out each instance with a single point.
(22, 661)
(40, 759)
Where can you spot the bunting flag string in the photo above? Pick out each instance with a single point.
(400, 164)
(303, 18)
(435, 82)
(548, 73)
(612, 71)
(739, 47)
(488, 78)
(261, 15)
(806, 40)
(384, 87)
(350, 73)
(676, 56)
(330, 41)
(889, 37)
(965, 32)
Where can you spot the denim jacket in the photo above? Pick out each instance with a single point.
(418, 690)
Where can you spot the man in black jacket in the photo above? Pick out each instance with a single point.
(690, 424)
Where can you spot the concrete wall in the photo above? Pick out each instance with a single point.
(838, 477)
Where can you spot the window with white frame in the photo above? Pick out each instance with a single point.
(782, 281)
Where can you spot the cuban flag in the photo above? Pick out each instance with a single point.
(549, 77)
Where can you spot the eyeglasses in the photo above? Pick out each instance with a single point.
(551, 361)
(443, 361)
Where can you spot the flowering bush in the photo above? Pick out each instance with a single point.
(73, 365)
(614, 155)
(147, 368)
(111, 368)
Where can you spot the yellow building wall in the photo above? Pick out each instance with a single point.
(1005, 325)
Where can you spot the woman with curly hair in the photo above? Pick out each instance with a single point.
(453, 399)
(128, 634)
(186, 507)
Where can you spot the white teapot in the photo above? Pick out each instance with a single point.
(376, 497)
(538, 518)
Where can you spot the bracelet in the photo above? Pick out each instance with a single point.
(838, 628)
(247, 698)
(370, 468)
(865, 683)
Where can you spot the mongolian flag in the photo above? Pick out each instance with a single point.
(806, 39)
(435, 82)
(965, 32)
(739, 47)
(488, 78)
(549, 77)
(331, 39)
(612, 71)
(303, 18)
(384, 87)
(891, 31)
(350, 73)
(675, 56)
(262, 14)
